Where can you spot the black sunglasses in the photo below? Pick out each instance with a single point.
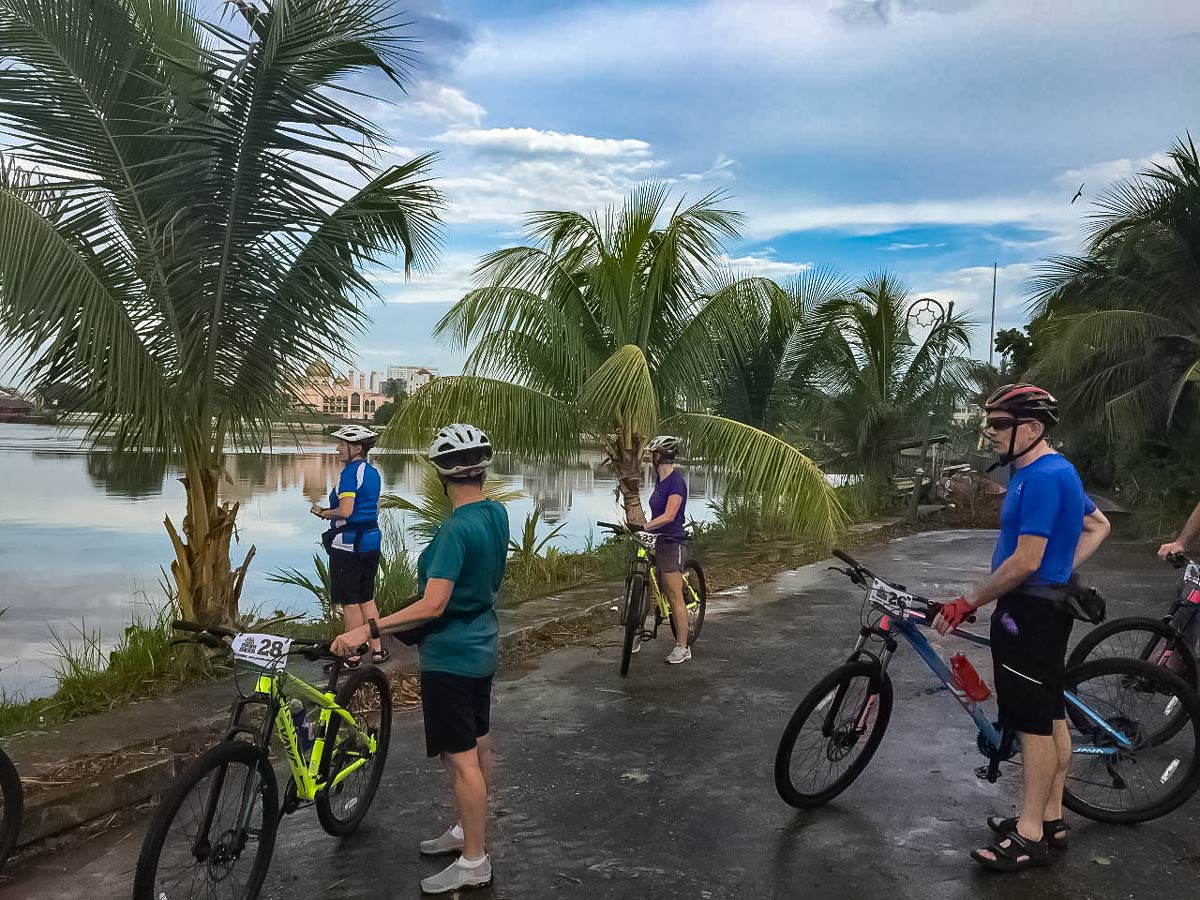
(1001, 423)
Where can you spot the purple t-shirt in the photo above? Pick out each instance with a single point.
(672, 532)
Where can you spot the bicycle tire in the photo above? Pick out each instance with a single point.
(330, 820)
(13, 809)
(634, 619)
(222, 756)
(835, 684)
(1183, 659)
(1175, 759)
(693, 577)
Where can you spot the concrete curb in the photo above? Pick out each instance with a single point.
(132, 774)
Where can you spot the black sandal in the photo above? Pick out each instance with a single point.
(1013, 853)
(1056, 831)
(353, 662)
(381, 655)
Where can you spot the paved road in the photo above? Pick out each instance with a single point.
(660, 786)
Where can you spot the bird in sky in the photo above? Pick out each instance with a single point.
(1078, 193)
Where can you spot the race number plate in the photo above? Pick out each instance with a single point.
(265, 651)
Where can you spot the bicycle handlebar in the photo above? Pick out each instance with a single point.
(1178, 560)
(211, 635)
(858, 571)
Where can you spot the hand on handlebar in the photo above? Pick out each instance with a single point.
(1172, 548)
(352, 642)
(953, 614)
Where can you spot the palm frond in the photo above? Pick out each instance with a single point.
(619, 397)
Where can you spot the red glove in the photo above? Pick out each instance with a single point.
(954, 612)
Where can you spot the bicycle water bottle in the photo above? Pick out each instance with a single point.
(968, 679)
(304, 728)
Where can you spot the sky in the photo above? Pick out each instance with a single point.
(928, 137)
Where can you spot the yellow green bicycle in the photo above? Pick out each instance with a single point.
(215, 830)
(643, 577)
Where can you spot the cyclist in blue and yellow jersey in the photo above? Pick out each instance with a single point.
(1048, 527)
(459, 574)
(353, 540)
(667, 503)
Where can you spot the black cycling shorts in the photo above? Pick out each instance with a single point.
(457, 711)
(1029, 646)
(352, 576)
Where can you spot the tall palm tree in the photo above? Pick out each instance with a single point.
(876, 384)
(604, 329)
(767, 383)
(1121, 323)
(186, 216)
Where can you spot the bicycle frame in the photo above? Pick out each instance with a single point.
(642, 560)
(900, 618)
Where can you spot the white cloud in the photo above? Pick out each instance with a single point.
(1098, 175)
(876, 218)
(537, 141)
(446, 283)
(763, 265)
(441, 102)
(970, 289)
(902, 246)
(721, 170)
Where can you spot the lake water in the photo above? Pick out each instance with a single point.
(82, 537)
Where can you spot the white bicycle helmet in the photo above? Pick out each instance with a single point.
(664, 443)
(460, 450)
(355, 434)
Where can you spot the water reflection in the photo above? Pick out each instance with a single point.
(81, 533)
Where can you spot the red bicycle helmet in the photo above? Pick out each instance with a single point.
(1024, 401)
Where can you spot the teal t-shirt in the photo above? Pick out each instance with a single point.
(469, 549)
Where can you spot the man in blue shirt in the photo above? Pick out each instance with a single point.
(353, 540)
(1048, 527)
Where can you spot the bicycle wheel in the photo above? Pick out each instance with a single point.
(833, 734)
(196, 846)
(367, 695)
(1151, 774)
(12, 807)
(1138, 637)
(635, 618)
(695, 595)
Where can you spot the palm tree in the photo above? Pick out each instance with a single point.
(1121, 323)
(876, 384)
(188, 213)
(768, 382)
(605, 329)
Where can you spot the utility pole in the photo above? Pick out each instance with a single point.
(992, 333)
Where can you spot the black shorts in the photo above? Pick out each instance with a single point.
(457, 711)
(352, 576)
(1029, 643)
(670, 557)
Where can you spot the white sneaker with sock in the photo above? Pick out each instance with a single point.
(679, 655)
(461, 873)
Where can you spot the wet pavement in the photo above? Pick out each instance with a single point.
(660, 785)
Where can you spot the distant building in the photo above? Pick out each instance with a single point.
(12, 407)
(348, 396)
(411, 377)
(376, 382)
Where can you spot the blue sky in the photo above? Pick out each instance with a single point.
(930, 137)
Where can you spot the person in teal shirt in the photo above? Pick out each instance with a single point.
(459, 574)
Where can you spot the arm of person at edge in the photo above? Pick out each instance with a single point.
(1011, 574)
(431, 605)
(673, 503)
(1186, 536)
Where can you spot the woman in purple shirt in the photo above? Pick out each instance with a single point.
(666, 520)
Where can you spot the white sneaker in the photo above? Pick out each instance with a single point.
(637, 645)
(679, 655)
(450, 842)
(457, 876)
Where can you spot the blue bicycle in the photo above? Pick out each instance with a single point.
(1135, 727)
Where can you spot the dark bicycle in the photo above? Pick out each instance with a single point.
(1172, 641)
(1123, 769)
(12, 807)
(643, 577)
